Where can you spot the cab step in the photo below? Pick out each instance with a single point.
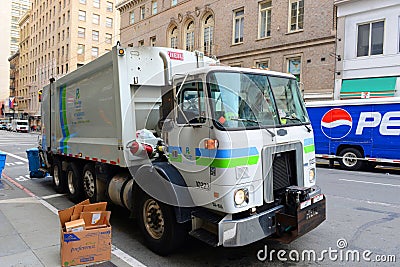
(205, 236)
(208, 216)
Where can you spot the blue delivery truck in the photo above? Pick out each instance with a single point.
(357, 133)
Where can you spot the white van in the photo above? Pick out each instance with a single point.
(20, 126)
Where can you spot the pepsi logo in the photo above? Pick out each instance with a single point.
(336, 123)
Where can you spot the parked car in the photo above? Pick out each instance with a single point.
(3, 126)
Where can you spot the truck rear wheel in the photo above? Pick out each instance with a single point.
(157, 221)
(59, 180)
(350, 159)
(89, 182)
(74, 184)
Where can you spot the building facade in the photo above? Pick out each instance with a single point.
(368, 49)
(296, 36)
(23, 94)
(18, 9)
(14, 84)
(65, 34)
(57, 37)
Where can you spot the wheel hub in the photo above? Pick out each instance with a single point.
(153, 219)
(349, 159)
(88, 183)
(71, 187)
(56, 176)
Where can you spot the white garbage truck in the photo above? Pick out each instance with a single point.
(189, 146)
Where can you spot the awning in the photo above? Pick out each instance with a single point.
(368, 88)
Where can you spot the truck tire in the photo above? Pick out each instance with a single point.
(157, 222)
(350, 159)
(74, 183)
(89, 182)
(59, 179)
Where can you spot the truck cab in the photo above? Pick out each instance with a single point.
(20, 126)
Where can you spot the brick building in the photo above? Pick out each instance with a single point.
(296, 36)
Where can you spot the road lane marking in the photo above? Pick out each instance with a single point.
(114, 250)
(21, 200)
(365, 182)
(53, 196)
(15, 156)
(384, 204)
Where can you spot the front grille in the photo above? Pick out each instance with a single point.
(284, 170)
(282, 167)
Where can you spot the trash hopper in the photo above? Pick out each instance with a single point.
(34, 163)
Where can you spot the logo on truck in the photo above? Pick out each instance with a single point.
(336, 123)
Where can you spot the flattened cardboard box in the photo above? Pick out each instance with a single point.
(84, 247)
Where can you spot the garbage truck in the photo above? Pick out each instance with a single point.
(188, 145)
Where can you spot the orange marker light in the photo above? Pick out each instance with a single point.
(211, 144)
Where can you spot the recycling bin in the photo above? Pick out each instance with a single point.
(34, 163)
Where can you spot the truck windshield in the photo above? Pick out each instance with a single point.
(246, 100)
(24, 123)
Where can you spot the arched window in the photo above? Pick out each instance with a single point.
(173, 37)
(208, 34)
(189, 36)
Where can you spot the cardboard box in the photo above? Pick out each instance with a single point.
(87, 246)
(75, 226)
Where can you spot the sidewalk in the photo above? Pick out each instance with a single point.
(30, 231)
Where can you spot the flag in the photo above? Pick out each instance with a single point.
(11, 102)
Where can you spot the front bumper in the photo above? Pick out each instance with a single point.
(233, 233)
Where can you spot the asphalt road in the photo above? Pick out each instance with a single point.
(363, 215)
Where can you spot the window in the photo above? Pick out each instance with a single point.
(238, 23)
(96, 19)
(296, 15)
(132, 17)
(294, 67)
(82, 2)
(192, 103)
(154, 7)
(189, 36)
(208, 34)
(108, 38)
(264, 23)
(174, 2)
(264, 64)
(173, 38)
(96, 3)
(95, 51)
(370, 39)
(81, 49)
(141, 43)
(109, 22)
(142, 12)
(153, 41)
(109, 6)
(81, 32)
(95, 35)
(82, 15)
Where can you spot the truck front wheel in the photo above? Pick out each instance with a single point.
(162, 234)
(74, 183)
(350, 159)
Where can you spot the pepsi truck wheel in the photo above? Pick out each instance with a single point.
(350, 159)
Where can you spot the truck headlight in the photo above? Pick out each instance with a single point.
(312, 175)
(241, 197)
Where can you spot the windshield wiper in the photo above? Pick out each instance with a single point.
(294, 118)
(254, 121)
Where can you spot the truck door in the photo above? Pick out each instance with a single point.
(191, 129)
